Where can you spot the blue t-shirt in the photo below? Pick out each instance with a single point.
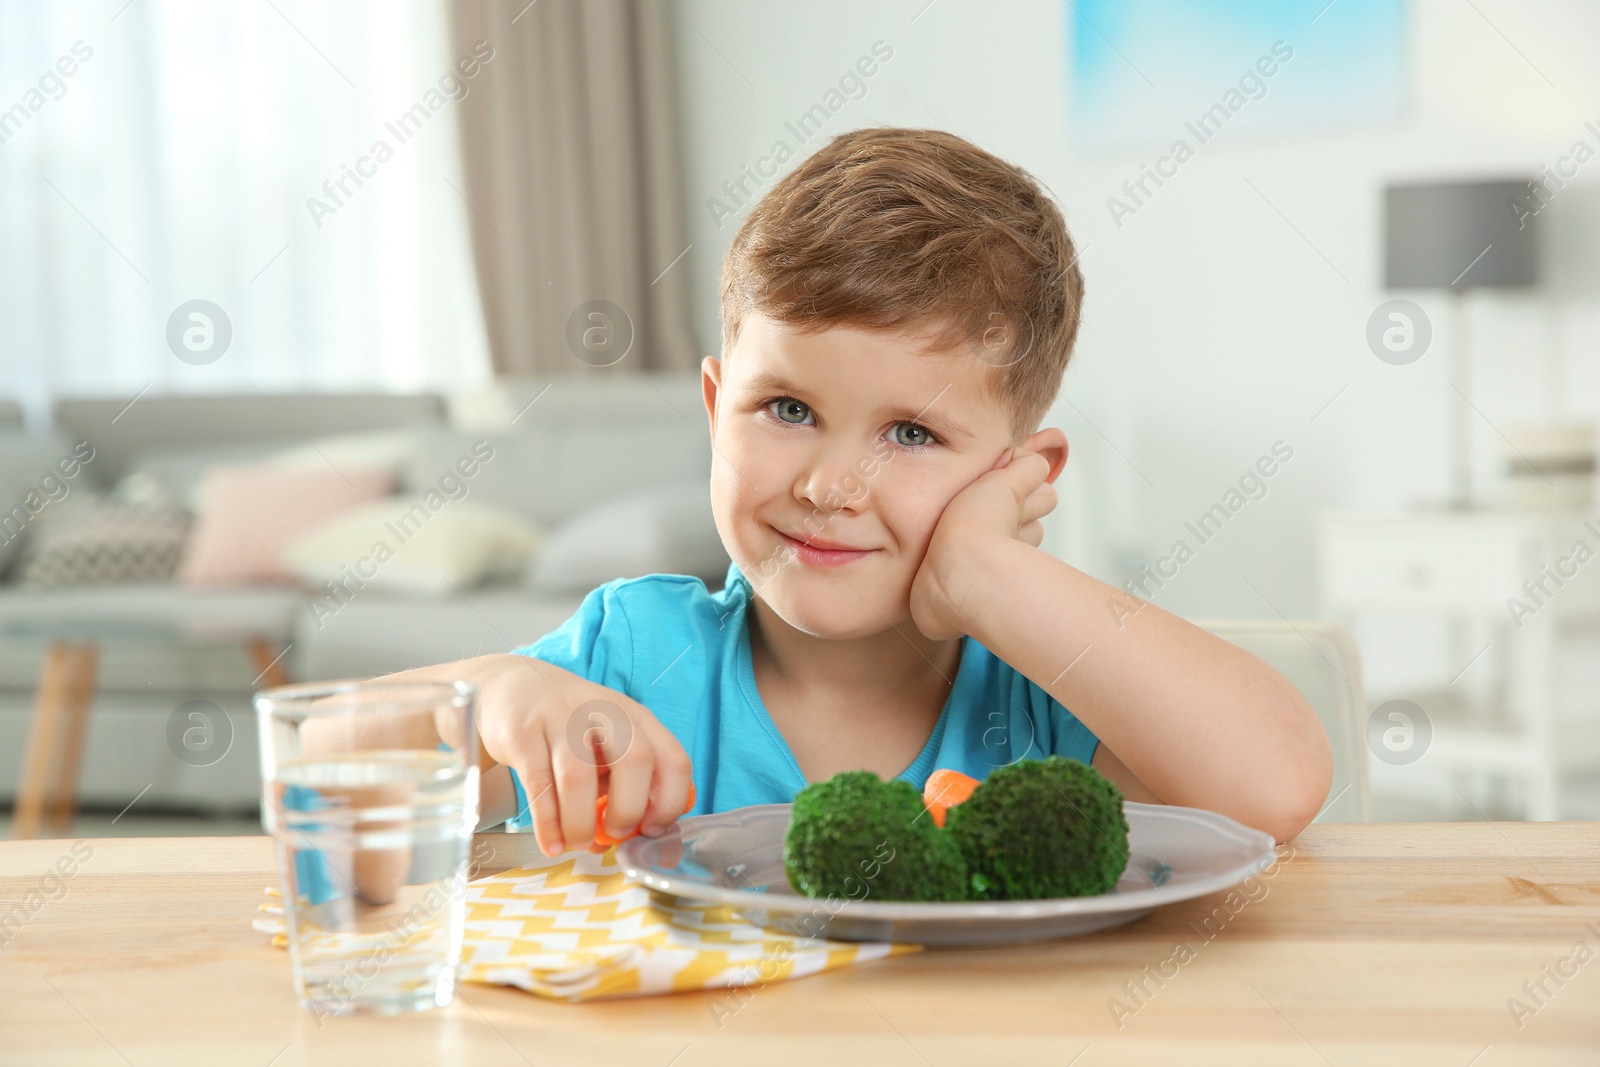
(684, 653)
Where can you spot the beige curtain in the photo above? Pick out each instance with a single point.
(571, 157)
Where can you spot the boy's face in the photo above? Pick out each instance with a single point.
(845, 438)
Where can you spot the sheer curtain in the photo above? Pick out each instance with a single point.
(154, 153)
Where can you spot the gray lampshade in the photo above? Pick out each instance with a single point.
(1433, 233)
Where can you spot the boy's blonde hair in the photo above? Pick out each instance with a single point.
(920, 230)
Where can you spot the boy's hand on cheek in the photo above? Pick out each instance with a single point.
(1005, 503)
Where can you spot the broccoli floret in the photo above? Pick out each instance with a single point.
(1042, 828)
(858, 837)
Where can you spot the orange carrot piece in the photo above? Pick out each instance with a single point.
(605, 840)
(945, 789)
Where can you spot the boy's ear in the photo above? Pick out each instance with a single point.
(1051, 443)
(710, 382)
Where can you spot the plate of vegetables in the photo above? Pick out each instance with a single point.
(1040, 849)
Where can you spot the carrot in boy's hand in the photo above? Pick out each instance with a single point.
(945, 789)
(605, 840)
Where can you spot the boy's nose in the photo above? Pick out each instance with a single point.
(829, 478)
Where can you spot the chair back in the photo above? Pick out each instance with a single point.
(1322, 661)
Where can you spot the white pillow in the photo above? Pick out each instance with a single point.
(400, 544)
(668, 529)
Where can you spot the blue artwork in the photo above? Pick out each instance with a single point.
(1157, 72)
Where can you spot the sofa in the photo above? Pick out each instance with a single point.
(587, 461)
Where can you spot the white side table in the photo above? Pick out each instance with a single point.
(1524, 579)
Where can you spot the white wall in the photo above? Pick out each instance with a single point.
(1212, 328)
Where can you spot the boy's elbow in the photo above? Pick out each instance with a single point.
(1290, 774)
(1302, 788)
(1302, 802)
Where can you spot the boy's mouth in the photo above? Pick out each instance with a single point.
(823, 553)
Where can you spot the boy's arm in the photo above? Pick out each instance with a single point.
(376, 874)
(1184, 717)
(526, 711)
(497, 800)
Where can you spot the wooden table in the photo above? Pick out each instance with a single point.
(1370, 944)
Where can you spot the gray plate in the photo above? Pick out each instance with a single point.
(736, 857)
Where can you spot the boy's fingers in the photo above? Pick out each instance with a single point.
(1031, 533)
(379, 872)
(612, 740)
(1010, 457)
(533, 768)
(671, 786)
(629, 789)
(450, 724)
(1040, 502)
(1023, 474)
(1038, 466)
(576, 789)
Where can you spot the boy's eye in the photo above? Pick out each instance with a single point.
(798, 413)
(910, 434)
(789, 410)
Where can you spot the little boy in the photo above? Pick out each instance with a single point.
(897, 315)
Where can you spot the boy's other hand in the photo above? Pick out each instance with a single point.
(568, 738)
(1005, 503)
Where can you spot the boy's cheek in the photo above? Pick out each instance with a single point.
(960, 481)
(745, 463)
(913, 515)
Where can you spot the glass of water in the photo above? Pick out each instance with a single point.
(372, 816)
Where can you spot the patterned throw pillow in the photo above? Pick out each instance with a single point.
(84, 540)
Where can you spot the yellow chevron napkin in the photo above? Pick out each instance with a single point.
(575, 928)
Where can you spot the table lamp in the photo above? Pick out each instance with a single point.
(1460, 236)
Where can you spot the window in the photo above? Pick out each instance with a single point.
(158, 153)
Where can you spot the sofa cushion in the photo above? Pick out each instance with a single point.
(551, 449)
(260, 609)
(126, 429)
(668, 529)
(373, 633)
(152, 635)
